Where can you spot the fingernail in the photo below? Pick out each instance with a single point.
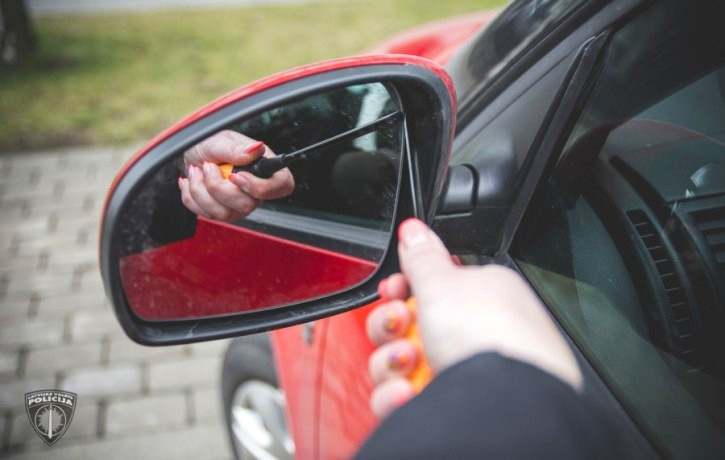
(252, 147)
(192, 172)
(188, 170)
(381, 288)
(207, 168)
(180, 182)
(243, 183)
(398, 360)
(412, 232)
(392, 323)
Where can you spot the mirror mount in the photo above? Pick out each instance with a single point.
(476, 202)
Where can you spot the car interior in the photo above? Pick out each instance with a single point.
(626, 243)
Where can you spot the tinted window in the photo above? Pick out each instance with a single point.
(521, 24)
(627, 244)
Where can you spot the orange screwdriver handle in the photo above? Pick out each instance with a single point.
(227, 170)
(422, 374)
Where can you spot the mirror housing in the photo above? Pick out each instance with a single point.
(427, 101)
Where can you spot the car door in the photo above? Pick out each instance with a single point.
(298, 352)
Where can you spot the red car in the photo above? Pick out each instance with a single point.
(579, 142)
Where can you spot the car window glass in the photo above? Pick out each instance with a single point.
(626, 245)
(515, 126)
(521, 24)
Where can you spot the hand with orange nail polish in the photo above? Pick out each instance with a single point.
(461, 311)
(207, 193)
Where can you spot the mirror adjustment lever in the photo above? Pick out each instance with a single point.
(459, 192)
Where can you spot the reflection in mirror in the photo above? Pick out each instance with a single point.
(292, 204)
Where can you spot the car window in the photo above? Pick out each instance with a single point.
(521, 24)
(626, 243)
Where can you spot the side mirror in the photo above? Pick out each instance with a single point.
(366, 140)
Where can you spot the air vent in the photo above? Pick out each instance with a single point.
(711, 222)
(683, 329)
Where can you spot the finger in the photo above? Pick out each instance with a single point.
(226, 147)
(187, 199)
(388, 322)
(390, 395)
(209, 206)
(423, 257)
(394, 359)
(280, 185)
(242, 151)
(394, 287)
(226, 193)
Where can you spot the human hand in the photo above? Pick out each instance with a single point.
(207, 193)
(461, 311)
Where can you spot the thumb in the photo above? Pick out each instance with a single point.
(423, 259)
(226, 147)
(244, 154)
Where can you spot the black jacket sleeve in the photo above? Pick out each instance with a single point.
(489, 406)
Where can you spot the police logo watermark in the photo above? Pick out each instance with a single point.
(50, 413)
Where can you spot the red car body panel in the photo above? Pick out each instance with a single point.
(436, 41)
(300, 377)
(342, 387)
(344, 415)
(210, 273)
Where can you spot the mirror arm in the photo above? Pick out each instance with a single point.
(459, 192)
(264, 167)
(475, 201)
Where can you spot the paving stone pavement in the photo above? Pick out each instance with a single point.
(57, 330)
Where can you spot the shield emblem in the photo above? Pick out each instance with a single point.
(50, 413)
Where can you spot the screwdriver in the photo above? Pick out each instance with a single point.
(265, 167)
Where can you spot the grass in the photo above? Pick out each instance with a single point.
(120, 78)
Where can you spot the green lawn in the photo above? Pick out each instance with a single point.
(121, 78)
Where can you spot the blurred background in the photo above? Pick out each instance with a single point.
(98, 76)
(82, 84)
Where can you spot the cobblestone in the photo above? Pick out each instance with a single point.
(187, 373)
(57, 329)
(198, 442)
(208, 404)
(213, 348)
(49, 361)
(4, 425)
(38, 331)
(87, 325)
(123, 349)
(8, 364)
(149, 413)
(71, 303)
(104, 381)
(17, 310)
(12, 392)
